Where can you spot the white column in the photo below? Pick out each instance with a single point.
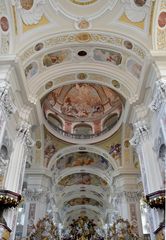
(142, 140)
(15, 172)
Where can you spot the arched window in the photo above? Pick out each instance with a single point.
(54, 121)
(82, 129)
(110, 121)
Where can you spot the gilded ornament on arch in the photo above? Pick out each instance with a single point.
(83, 37)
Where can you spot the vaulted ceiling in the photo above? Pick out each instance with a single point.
(82, 66)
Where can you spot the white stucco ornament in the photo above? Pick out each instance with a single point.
(135, 11)
(30, 11)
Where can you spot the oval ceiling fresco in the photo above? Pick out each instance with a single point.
(83, 159)
(83, 179)
(83, 110)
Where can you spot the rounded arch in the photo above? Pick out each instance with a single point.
(82, 148)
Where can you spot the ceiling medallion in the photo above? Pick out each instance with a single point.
(82, 76)
(83, 2)
(83, 24)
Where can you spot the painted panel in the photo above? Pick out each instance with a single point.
(83, 178)
(83, 159)
(105, 55)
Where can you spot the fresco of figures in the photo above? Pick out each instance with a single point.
(4, 24)
(83, 201)
(134, 68)
(105, 55)
(49, 147)
(83, 159)
(83, 100)
(83, 178)
(115, 151)
(56, 57)
(31, 70)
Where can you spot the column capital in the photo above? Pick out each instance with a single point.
(5, 98)
(35, 195)
(141, 132)
(23, 133)
(159, 96)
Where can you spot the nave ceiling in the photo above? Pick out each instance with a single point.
(67, 52)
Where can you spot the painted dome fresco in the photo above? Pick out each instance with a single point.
(82, 109)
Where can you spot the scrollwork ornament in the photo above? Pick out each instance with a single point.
(23, 132)
(5, 98)
(34, 195)
(141, 132)
(160, 95)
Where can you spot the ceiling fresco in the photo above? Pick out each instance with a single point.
(121, 59)
(83, 159)
(81, 61)
(83, 179)
(82, 201)
(98, 105)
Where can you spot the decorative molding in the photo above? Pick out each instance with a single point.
(5, 98)
(141, 132)
(159, 96)
(129, 196)
(34, 195)
(23, 132)
(96, 37)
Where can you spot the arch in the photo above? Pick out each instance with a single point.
(78, 148)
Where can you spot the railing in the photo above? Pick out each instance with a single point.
(80, 136)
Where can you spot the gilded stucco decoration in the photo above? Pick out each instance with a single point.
(121, 59)
(73, 38)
